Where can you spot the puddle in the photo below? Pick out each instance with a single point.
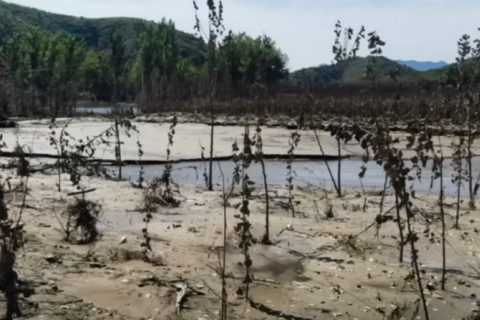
(277, 264)
(305, 173)
(92, 108)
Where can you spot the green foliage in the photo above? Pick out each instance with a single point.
(342, 53)
(90, 70)
(95, 32)
(158, 58)
(53, 58)
(243, 227)
(45, 64)
(245, 61)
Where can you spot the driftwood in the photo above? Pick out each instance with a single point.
(8, 154)
(272, 312)
(83, 192)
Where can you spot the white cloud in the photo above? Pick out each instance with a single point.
(413, 29)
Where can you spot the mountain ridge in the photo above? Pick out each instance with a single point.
(423, 65)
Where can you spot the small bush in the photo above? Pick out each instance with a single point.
(156, 196)
(329, 214)
(82, 218)
(20, 163)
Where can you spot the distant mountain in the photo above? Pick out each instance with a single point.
(423, 65)
(353, 72)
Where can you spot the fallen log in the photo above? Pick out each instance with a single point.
(9, 154)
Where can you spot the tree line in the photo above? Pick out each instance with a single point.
(48, 72)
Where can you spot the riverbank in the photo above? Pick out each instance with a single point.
(313, 270)
(189, 139)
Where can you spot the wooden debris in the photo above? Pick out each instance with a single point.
(181, 292)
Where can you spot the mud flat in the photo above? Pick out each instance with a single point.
(311, 271)
(188, 141)
(318, 268)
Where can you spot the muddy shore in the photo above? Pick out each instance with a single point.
(311, 271)
(318, 268)
(34, 136)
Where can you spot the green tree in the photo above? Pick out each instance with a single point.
(14, 55)
(117, 64)
(47, 75)
(34, 42)
(233, 61)
(187, 75)
(273, 63)
(73, 54)
(91, 72)
(157, 62)
(170, 52)
(252, 61)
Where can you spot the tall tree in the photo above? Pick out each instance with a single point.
(252, 61)
(157, 62)
(91, 73)
(73, 54)
(117, 64)
(14, 56)
(34, 43)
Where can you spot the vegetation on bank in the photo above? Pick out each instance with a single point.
(94, 32)
(49, 61)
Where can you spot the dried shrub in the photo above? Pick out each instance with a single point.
(20, 162)
(329, 213)
(116, 254)
(11, 240)
(82, 218)
(156, 196)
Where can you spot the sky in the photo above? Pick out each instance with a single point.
(423, 30)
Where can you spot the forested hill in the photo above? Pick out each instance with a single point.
(55, 59)
(354, 71)
(95, 32)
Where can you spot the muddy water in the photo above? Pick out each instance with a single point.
(305, 173)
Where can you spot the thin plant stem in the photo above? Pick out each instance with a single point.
(415, 262)
(224, 255)
(326, 163)
(339, 169)
(383, 193)
(442, 216)
(266, 239)
(469, 157)
(119, 151)
(459, 184)
(212, 132)
(400, 229)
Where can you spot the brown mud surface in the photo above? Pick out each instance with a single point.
(34, 136)
(311, 272)
(318, 268)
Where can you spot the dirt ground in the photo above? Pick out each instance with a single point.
(318, 268)
(34, 136)
(311, 271)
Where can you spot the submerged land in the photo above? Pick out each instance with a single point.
(317, 268)
(191, 136)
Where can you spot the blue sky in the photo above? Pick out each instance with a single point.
(413, 29)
